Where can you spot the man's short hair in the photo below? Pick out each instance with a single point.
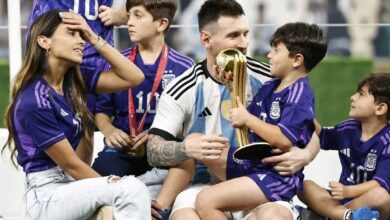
(212, 10)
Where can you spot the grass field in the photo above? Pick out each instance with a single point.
(334, 81)
(4, 88)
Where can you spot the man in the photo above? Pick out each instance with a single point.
(197, 102)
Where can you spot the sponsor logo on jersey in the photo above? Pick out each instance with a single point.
(205, 112)
(370, 163)
(167, 78)
(275, 110)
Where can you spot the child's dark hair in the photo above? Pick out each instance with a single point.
(158, 8)
(378, 85)
(302, 38)
(211, 10)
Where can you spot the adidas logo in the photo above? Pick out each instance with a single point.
(205, 112)
(64, 113)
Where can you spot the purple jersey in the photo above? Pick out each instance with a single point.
(116, 104)
(41, 117)
(292, 109)
(361, 161)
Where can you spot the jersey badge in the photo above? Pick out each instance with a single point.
(167, 78)
(370, 163)
(275, 110)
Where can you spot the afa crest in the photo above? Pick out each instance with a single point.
(275, 110)
(370, 163)
(167, 78)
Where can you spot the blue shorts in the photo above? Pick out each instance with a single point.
(274, 186)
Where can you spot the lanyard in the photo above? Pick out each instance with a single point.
(134, 129)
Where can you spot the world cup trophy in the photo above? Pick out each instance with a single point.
(235, 61)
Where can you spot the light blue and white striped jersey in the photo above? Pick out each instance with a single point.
(196, 103)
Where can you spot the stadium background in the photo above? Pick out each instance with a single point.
(359, 43)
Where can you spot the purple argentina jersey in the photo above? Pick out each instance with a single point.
(292, 109)
(93, 63)
(116, 104)
(361, 161)
(41, 117)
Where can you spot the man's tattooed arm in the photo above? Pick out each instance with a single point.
(162, 152)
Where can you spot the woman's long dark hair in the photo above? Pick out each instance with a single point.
(34, 64)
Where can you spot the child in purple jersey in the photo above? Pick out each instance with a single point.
(50, 127)
(281, 114)
(148, 22)
(363, 143)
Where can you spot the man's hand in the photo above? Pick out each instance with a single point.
(290, 162)
(205, 146)
(338, 190)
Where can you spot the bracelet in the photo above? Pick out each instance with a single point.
(101, 42)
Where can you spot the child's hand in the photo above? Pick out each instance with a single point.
(110, 16)
(117, 138)
(139, 144)
(338, 190)
(239, 116)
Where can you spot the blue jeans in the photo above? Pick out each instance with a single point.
(53, 194)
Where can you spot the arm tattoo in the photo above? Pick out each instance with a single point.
(162, 152)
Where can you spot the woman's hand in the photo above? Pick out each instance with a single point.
(78, 23)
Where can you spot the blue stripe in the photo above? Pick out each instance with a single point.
(226, 126)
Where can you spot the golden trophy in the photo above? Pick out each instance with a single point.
(235, 61)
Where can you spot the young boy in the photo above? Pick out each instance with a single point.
(133, 110)
(286, 108)
(364, 151)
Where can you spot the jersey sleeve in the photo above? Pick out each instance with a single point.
(297, 117)
(328, 138)
(105, 104)
(382, 174)
(170, 117)
(42, 126)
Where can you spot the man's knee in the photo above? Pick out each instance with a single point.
(203, 202)
(273, 212)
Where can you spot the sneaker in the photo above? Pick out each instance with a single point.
(365, 213)
(309, 214)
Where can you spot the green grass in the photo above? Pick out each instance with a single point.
(334, 81)
(4, 88)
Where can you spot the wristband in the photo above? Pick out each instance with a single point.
(101, 42)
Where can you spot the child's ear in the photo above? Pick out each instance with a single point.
(381, 109)
(163, 25)
(298, 60)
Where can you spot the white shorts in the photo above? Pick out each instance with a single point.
(187, 198)
(288, 205)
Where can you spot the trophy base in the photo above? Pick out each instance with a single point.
(254, 151)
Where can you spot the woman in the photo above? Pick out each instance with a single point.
(50, 125)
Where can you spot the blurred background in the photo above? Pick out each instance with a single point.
(358, 33)
(359, 43)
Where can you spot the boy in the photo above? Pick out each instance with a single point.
(364, 151)
(123, 153)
